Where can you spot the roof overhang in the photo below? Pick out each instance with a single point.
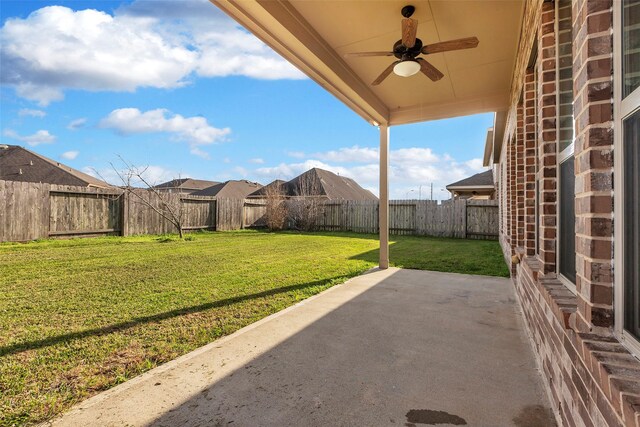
(493, 142)
(469, 187)
(488, 148)
(314, 35)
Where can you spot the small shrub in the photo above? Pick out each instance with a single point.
(276, 214)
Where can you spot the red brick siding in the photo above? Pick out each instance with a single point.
(547, 140)
(530, 127)
(593, 380)
(593, 106)
(520, 184)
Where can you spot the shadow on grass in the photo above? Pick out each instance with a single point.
(45, 342)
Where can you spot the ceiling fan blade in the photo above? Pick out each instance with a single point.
(359, 54)
(384, 74)
(429, 70)
(409, 31)
(466, 43)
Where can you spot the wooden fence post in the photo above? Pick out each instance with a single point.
(46, 211)
(124, 218)
(464, 218)
(214, 214)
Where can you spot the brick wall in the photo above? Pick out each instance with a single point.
(530, 127)
(593, 380)
(513, 208)
(519, 187)
(547, 137)
(592, 68)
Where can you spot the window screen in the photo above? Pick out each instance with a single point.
(631, 130)
(630, 46)
(567, 220)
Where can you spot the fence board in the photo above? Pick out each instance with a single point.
(230, 214)
(482, 219)
(198, 213)
(72, 212)
(254, 213)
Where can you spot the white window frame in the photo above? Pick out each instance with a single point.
(621, 110)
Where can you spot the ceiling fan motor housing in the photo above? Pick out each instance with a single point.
(400, 51)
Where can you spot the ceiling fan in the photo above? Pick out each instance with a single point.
(409, 47)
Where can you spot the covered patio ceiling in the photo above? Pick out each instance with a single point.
(315, 35)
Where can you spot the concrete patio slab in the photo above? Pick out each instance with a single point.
(392, 347)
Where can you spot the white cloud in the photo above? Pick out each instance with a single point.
(77, 124)
(33, 113)
(144, 44)
(153, 174)
(195, 131)
(40, 137)
(350, 154)
(290, 170)
(358, 154)
(475, 164)
(70, 155)
(411, 170)
(413, 156)
(257, 161)
(199, 152)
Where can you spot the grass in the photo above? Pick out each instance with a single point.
(80, 316)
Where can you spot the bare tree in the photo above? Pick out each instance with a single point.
(307, 205)
(165, 204)
(276, 215)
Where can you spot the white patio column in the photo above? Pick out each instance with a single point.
(384, 196)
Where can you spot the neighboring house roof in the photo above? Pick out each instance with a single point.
(480, 180)
(186, 184)
(321, 183)
(262, 192)
(19, 164)
(230, 189)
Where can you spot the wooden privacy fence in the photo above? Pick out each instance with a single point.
(30, 211)
(476, 219)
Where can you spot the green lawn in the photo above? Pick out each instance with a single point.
(80, 316)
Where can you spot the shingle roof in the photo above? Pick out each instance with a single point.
(480, 179)
(278, 183)
(321, 183)
(187, 184)
(19, 164)
(230, 189)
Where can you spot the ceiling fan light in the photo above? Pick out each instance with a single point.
(406, 68)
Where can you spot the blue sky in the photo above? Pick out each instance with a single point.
(179, 87)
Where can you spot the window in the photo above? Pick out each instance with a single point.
(627, 170)
(567, 266)
(630, 46)
(631, 272)
(566, 197)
